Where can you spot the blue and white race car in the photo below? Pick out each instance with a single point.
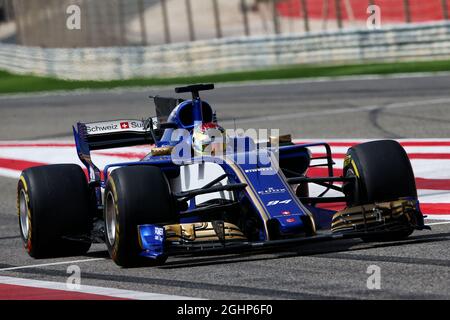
(202, 190)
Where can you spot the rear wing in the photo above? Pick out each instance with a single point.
(117, 133)
(110, 134)
(124, 133)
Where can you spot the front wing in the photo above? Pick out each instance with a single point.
(220, 237)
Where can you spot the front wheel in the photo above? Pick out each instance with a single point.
(382, 172)
(134, 196)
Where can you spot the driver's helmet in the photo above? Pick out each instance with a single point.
(209, 139)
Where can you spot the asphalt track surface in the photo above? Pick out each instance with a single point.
(386, 108)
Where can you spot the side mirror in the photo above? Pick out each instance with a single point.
(155, 123)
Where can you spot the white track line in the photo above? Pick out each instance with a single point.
(10, 173)
(51, 264)
(110, 292)
(444, 217)
(437, 223)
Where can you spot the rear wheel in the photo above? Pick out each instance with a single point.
(382, 172)
(53, 205)
(134, 196)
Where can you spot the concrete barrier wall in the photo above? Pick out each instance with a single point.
(403, 43)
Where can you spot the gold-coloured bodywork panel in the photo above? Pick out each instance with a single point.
(202, 231)
(358, 217)
(161, 151)
(280, 140)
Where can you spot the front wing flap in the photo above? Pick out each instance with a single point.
(384, 217)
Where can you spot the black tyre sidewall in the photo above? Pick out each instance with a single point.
(385, 172)
(58, 202)
(142, 196)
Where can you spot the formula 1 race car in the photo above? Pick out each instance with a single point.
(202, 190)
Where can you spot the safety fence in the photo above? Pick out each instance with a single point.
(400, 43)
(154, 22)
(6, 10)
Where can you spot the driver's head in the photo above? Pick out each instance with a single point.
(208, 139)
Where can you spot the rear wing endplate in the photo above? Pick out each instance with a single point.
(117, 133)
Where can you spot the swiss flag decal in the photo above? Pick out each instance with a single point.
(124, 125)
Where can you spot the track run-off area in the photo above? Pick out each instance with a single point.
(36, 130)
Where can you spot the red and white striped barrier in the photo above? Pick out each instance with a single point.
(430, 159)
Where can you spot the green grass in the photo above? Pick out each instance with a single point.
(12, 83)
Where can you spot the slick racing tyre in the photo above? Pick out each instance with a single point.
(135, 195)
(53, 203)
(383, 173)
